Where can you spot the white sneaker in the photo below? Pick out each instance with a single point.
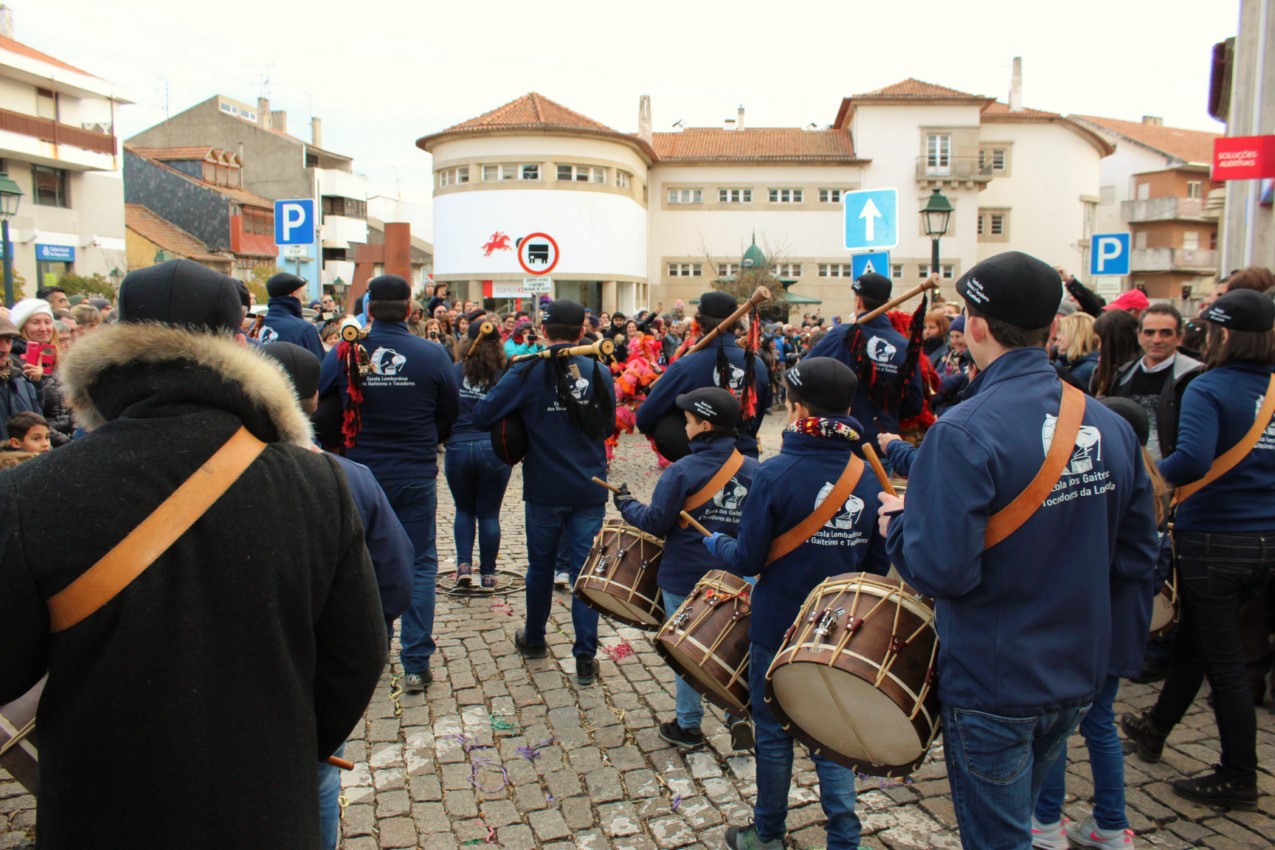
(562, 579)
(1049, 836)
(1088, 834)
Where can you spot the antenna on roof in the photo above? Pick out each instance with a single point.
(265, 79)
(678, 123)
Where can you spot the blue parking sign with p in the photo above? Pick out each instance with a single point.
(294, 222)
(1109, 254)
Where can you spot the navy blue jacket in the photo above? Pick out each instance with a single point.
(284, 323)
(1218, 408)
(888, 349)
(1024, 627)
(685, 558)
(17, 395)
(786, 489)
(387, 541)
(410, 402)
(693, 371)
(899, 455)
(561, 459)
(463, 430)
(1131, 607)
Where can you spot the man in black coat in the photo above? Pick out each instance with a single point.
(191, 708)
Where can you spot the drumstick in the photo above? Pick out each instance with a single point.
(877, 468)
(613, 489)
(695, 525)
(340, 762)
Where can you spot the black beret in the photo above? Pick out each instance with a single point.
(717, 304)
(300, 364)
(1015, 288)
(873, 285)
(1242, 310)
(1131, 412)
(181, 292)
(284, 284)
(564, 311)
(715, 404)
(823, 382)
(389, 287)
(475, 328)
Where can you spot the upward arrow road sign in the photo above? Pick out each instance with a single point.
(872, 219)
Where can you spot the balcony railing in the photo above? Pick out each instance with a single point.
(1173, 259)
(1161, 209)
(48, 130)
(953, 168)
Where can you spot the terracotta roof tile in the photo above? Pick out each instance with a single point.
(764, 144)
(997, 108)
(531, 111)
(165, 234)
(1186, 145)
(31, 53)
(919, 89)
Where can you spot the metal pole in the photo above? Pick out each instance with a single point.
(934, 255)
(8, 263)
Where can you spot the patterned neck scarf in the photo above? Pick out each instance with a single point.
(817, 426)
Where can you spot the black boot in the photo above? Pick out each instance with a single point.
(1218, 789)
(1147, 740)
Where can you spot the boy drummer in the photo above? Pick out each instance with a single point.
(817, 462)
(710, 484)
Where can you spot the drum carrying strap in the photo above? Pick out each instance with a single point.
(804, 530)
(1008, 519)
(714, 485)
(145, 543)
(1226, 461)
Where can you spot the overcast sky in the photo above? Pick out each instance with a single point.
(382, 73)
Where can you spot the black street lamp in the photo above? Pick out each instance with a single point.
(10, 197)
(935, 215)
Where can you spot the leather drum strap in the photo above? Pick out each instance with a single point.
(1226, 461)
(808, 527)
(145, 543)
(714, 485)
(1008, 519)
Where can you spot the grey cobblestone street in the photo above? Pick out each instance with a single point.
(511, 753)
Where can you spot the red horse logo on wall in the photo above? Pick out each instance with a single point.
(499, 242)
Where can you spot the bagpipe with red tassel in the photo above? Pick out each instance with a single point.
(355, 362)
(888, 395)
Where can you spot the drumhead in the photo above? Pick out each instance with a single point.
(846, 714)
(642, 611)
(1161, 612)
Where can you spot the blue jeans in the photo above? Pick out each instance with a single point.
(1217, 574)
(477, 479)
(547, 525)
(1106, 762)
(996, 767)
(415, 502)
(774, 771)
(329, 807)
(690, 705)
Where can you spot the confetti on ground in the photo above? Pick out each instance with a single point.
(479, 764)
(531, 753)
(620, 650)
(499, 724)
(500, 606)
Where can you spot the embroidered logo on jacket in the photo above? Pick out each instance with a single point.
(736, 379)
(267, 335)
(731, 497)
(845, 518)
(387, 361)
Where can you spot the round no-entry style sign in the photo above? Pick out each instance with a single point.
(538, 253)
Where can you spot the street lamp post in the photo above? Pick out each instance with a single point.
(10, 197)
(935, 215)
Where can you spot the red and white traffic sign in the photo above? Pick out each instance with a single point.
(537, 253)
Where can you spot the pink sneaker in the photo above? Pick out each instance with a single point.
(1050, 836)
(1088, 834)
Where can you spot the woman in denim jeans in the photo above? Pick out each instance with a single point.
(476, 477)
(1225, 542)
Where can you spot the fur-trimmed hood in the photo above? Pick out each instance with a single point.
(96, 359)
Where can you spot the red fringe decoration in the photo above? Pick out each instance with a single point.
(748, 396)
(692, 337)
(352, 417)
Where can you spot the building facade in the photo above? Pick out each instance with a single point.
(649, 217)
(57, 142)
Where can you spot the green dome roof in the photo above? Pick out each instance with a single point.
(754, 257)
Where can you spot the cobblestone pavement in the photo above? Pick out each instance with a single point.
(512, 753)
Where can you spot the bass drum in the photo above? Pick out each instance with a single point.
(619, 579)
(670, 436)
(1165, 607)
(19, 753)
(706, 640)
(509, 439)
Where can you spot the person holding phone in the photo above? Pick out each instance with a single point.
(17, 394)
(40, 356)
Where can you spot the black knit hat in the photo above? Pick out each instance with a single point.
(1131, 412)
(1014, 287)
(284, 284)
(823, 382)
(181, 292)
(245, 297)
(564, 311)
(301, 365)
(873, 285)
(715, 404)
(1242, 310)
(389, 287)
(717, 304)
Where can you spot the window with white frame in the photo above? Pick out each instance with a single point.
(686, 196)
(1195, 189)
(727, 269)
(993, 225)
(994, 160)
(684, 270)
(529, 171)
(896, 270)
(623, 179)
(996, 224)
(923, 271)
(829, 196)
(734, 196)
(835, 270)
(507, 171)
(938, 153)
(582, 173)
(947, 270)
(785, 196)
(786, 270)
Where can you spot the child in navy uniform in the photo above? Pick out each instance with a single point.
(818, 444)
(712, 415)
